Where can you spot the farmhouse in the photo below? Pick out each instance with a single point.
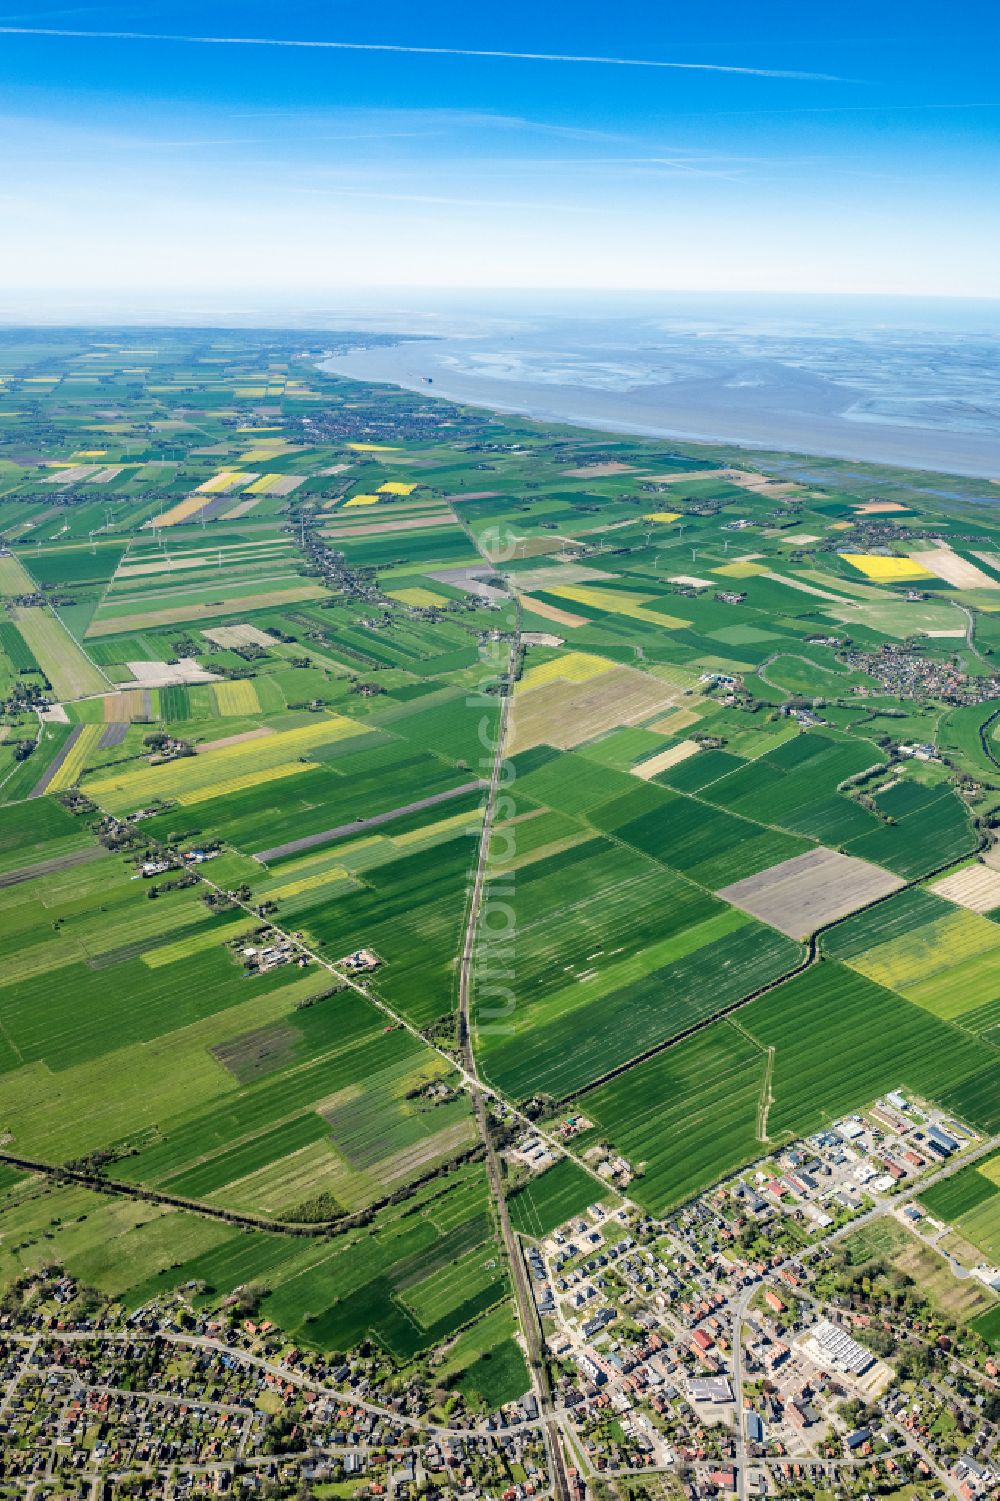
(360, 961)
(271, 954)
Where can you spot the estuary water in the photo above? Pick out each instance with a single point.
(893, 381)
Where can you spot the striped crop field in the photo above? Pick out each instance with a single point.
(573, 667)
(64, 662)
(938, 945)
(125, 789)
(129, 704)
(68, 771)
(196, 943)
(265, 597)
(262, 484)
(226, 479)
(182, 511)
(618, 602)
(242, 783)
(319, 880)
(238, 697)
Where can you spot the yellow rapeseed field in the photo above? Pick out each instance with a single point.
(242, 783)
(334, 875)
(618, 602)
(886, 570)
(574, 667)
(76, 757)
(226, 479)
(416, 596)
(372, 447)
(263, 483)
(396, 487)
(237, 697)
(180, 512)
(207, 775)
(662, 516)
(740, 570)
(431, 833)
(901, 963)
(362, 500)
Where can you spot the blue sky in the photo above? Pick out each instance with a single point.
(849, 147)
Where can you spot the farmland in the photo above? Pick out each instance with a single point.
(63, 661)
(256, 628)
(838, 1041)
(970, 1201)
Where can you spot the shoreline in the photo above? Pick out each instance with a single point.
(873, 448)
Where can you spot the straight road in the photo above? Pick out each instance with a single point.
(527, 1311)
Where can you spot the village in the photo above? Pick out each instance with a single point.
(729, 1349)
(171, 1404)
(707, 1348)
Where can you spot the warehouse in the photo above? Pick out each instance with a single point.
(834, 1348)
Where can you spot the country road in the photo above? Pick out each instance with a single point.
(527, 1311)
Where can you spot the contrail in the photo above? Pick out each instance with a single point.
(534, 57)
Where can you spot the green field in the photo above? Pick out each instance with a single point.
(62, 659)
(559, 1193)
(243, 721)
(970, 1201)
(839, 1041)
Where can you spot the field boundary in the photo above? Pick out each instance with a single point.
(766, 1098)
(813, 957)
(117, 1188)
